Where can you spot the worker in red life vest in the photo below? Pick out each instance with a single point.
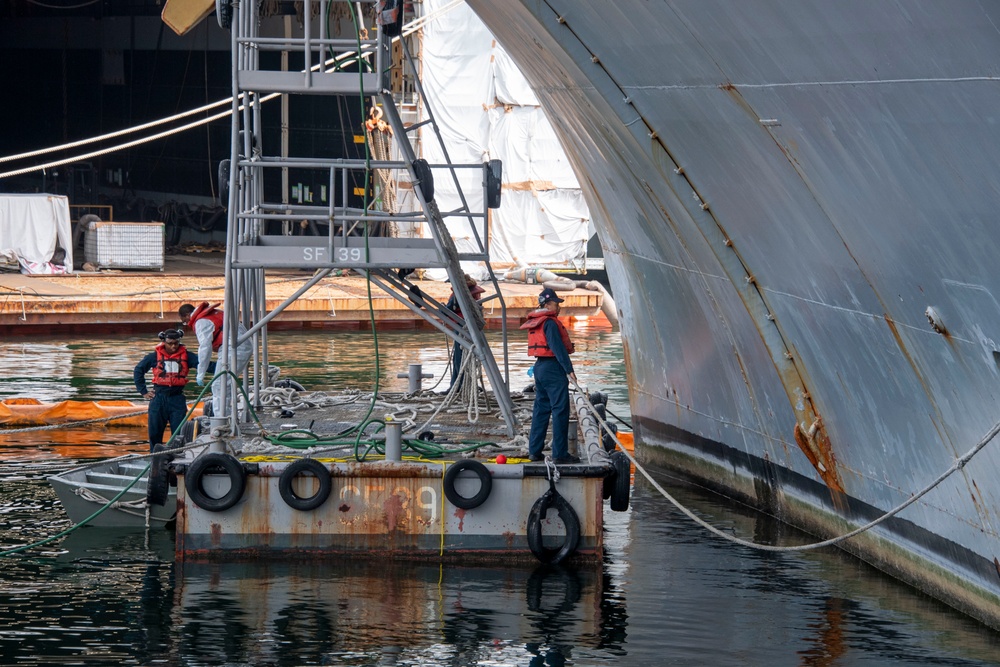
(206, 321)
(170, 362)
(456, 355)
(549, 341)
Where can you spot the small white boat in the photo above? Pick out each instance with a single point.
(87, 489)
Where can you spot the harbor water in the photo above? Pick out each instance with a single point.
(667, 592)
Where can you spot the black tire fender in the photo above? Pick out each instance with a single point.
(158, 483)
(289, 384)
(609, 433)
(550, 499)
(215, 462)
(622, 481)
(485, 480)
(425, 179)
(598, 398)
(296, 468)
(188, 434)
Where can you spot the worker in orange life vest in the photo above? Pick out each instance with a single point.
(170, 362)
(549, 341)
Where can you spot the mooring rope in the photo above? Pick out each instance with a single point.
(50, 427)
(958, 465)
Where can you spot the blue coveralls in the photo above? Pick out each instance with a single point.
(168, 403)
(551, 396)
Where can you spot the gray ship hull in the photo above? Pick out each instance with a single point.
(783, 190)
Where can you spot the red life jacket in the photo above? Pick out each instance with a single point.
(213, 314)
(537, 345)
(171, 369)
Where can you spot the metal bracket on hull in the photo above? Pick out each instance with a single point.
(815, 444)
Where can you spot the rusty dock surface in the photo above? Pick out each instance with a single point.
(143, 300)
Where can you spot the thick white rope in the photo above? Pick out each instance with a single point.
(133, 507)
(958, 465)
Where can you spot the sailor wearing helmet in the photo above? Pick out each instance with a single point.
(170, 362)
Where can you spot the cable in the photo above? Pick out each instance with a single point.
(958, 465)
(334, 64)
(623, 421)
(51, 427)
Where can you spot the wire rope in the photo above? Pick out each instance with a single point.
(958, 465)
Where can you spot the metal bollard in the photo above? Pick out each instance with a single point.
(415, 375)
(393, 441)
(217, 428)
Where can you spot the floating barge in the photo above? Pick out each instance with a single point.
(269, 500)
(398, 510)
(444, 507)
(239, 493)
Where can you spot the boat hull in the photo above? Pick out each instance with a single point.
(85, 490)
(809, 190)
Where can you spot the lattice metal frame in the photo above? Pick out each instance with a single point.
(250, 252)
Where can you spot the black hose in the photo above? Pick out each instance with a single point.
(619, 418)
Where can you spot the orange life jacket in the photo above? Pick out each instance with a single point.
(171, 369)
(535, 324)
(213, 314)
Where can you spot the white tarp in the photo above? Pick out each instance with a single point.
(486, 110)
(32, 226)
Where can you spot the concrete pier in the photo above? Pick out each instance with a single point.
(139, 301)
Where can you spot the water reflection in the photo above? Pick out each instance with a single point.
(52, 370)
(374, 613)
(811, 608)
(553, 594)
(666, 593)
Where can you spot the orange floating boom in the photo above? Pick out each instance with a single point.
(16, 412)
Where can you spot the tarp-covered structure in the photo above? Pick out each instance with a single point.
(32, 228)
(485, 111)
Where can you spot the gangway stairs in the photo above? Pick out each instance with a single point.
(350, 241)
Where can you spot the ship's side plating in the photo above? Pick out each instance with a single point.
(783, 190)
